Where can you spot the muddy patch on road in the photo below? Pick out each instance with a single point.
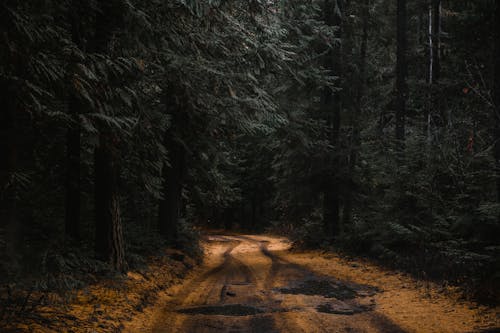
(330, 289)
(333, 296)
(327, 289)
(223, 310)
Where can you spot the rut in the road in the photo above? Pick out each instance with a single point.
(249, 288)
(254, 284)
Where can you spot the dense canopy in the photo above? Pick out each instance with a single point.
(372, 126)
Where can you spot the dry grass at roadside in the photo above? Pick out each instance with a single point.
(101, 307)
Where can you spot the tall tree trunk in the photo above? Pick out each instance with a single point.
(73, 183)
(108, 229)
(401, 74)
(173, 180)
(430, 77)
(253, 225)
(333, 104)
(12, 65)
(228, 217)
(436, 45)
(72, 218)
(8, 165)
(356, 139)
(109, 244)
(434, 33)
(496, 96)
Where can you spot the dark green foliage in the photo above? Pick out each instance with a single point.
(431, 207)
(250, 115)
(85, 79)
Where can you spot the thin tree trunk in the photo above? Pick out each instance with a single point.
(73, 156)
(108, 232)
(109, 245)
(331, 212)
(356, 138)
(173, 179)
(496, 96)
(72, 218)
(333, 104)
(420, 24)
(228, 217)
(261, 213)
(8, 165)
(401, 74)
(430, 76)
(436, 45)
(434, 102)
(436, 70)
(8, 158)
(10, 139)
(253, 224)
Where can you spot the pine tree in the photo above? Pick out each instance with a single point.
(355, 140)
(401, 74)
(109, 243)
(333, 107)
(174, 173)
(73, 136)
(496, 95)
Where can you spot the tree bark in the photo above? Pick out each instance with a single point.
(73, 182)
(356, 137)
(434, 35)
(109, 244)
(436, 45)
(12, 65)
(173, 180)
(401, 74)
(253, 203)
(8, 165)
(72, 218)
(228, 217)
(496, 96)
(333, 105)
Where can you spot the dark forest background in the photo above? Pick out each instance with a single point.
(370, 125)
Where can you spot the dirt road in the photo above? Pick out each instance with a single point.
(250, 284)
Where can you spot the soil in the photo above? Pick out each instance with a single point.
(255, 284)
(250, 283)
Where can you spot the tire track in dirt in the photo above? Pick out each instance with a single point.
(219, 300)
(194, 291)
(298, 316)
(246, 287)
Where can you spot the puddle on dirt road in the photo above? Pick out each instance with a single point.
(342, 299)
(323, 288)
(329, 289)
(224, 310)
(337, 297)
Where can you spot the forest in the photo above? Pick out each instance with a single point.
(132, 130)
